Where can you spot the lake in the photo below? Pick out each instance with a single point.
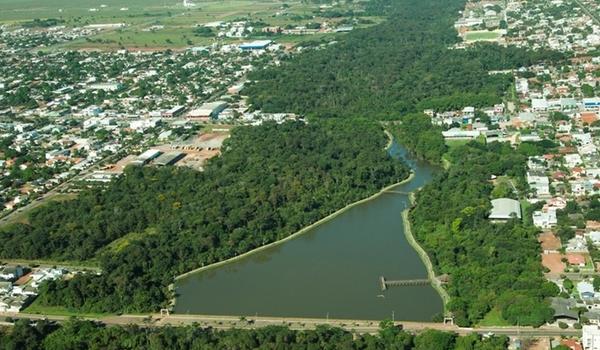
(331, 271)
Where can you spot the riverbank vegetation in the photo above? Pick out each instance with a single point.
(77, 334)
(270, 182)
(422, 139)
(491, 266)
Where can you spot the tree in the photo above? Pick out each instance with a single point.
(434, 340)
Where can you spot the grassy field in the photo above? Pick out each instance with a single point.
(493, 318)
(21, 215)
(75, 265)
(36, 308)
(482, 36)
(178, 21)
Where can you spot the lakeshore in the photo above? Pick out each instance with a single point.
(297, 233)
(330, 269)
(306, 228)
(435, 282)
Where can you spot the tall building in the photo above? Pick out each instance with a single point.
(591, 337)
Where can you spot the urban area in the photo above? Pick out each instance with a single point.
(73, 119)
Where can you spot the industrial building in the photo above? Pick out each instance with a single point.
(504, 209)
(174, 112)
(208, 110)
(146, 157)
(169, 158)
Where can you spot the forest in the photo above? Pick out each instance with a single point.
(491, 266)
(401, 66)
(155, 223)
(80, 335)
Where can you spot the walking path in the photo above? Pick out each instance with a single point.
(358, 326)
(435, 282)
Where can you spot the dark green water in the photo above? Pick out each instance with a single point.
(332, 270)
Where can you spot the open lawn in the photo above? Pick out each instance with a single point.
(482, 36)
(493, 319)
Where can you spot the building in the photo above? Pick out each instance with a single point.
(504, 209)
(106, 86)
(208, 110)
(169, 158)
(174, 112)
(591, 103)
(142, 124)
(586, 290)
(591, 337)
(255, 45)
(544, 220)
(11, 273)
(458, 134)
(146, 157)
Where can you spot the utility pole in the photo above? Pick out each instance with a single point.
(393, 316)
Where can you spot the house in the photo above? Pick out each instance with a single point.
(546, 219)
(571, 344)
(564, 309)
(576, 260)
(592, 225)
(573, 160)
(586, 290)
(539, 104)
(594, 236)
(504, 209)
(593, 316)
(588, 118)
(540, 184)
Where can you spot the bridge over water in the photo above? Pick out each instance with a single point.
(402, 283)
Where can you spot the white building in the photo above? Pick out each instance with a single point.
(591, 337)
(573, 160)
(142, 124)
(541, 184)
(545, 219)
(458, 134)
(539, 104)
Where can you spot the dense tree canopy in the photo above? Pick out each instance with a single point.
(491, 266)
(405, 64)
(79, 335)
(154, 223)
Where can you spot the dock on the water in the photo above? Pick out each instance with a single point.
(402, 283)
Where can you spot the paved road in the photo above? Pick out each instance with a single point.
(359, 326)
(587, 10)
(55, 190)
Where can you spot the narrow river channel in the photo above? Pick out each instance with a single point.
(331, 271)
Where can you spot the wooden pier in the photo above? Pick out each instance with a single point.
(402, 283)
(396, 192)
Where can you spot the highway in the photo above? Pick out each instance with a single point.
(358, 326)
